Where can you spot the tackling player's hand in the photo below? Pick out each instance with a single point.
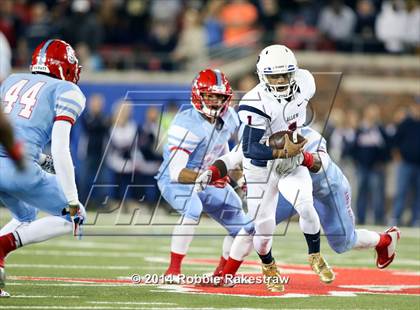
(202, 181)
(284, 166)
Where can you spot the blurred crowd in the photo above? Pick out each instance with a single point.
(179, 34)
(381, 159)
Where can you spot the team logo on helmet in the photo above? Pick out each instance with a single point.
(71, 56)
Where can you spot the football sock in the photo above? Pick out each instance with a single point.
(367, 239)
(183, 235)
(231, 267)
(266, 258)
(181, 239)
(314, 242)
(242, 245)
(43, 229)
(227, 244)
(175, 264)
(7, 244)
(219, 269)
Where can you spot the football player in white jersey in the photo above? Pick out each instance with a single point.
(279, 103)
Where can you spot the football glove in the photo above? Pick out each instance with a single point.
(284, 166)
(202, 181)
(77, 213)
(46, 162)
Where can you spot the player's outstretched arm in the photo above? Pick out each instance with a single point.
(63, 163)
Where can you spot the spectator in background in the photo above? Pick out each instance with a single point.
(166, 10)
(390, 25)
(122, 149)
(82, 26)
(336, 23)
(370, 151)
(212, 23)
(162, 41)
(89, 62)
(239, 18)
(365, 27)
(148, 160)
(412, 26)
(95, 131)
(5, 58)
(407, 142)
(191, 52)
(10, 23)
(171, 109)
(269, 16)
(40, 27)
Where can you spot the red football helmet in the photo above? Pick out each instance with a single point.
(56, 58)
(211, 93)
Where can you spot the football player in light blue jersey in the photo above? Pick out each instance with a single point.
(196, 138)
(332, 194)
(42, 106)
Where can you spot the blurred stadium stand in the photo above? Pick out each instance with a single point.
(148, 51)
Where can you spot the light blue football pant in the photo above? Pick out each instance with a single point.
(26, 192)
(221, 204)
(334, 209)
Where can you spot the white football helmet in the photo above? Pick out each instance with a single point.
(276, 67)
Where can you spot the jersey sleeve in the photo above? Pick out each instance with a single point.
(69, 102)
(182, 139)
(253, 117)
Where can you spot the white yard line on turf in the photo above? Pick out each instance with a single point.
(72, 284)
(69, 266)
(44, 296)
(130, 303)
(77, 253)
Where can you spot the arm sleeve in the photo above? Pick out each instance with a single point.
(251, 146)
(63, 164)
(179, 160)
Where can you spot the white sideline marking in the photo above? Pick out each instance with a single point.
(89, 284)
(77, 253)
(44, 296)
(130, 303)
(381, 288)
(70, 266)
(407, 273)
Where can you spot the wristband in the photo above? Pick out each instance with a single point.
(215, 173)
(308, 160)
(16, 152)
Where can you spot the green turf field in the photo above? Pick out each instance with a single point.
(95, 271)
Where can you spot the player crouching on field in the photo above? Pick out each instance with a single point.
(196, 138)
(42, 106)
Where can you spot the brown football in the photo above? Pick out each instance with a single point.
(276, 140)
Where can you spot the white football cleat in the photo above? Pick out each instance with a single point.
(4, 294)
(386, 254)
